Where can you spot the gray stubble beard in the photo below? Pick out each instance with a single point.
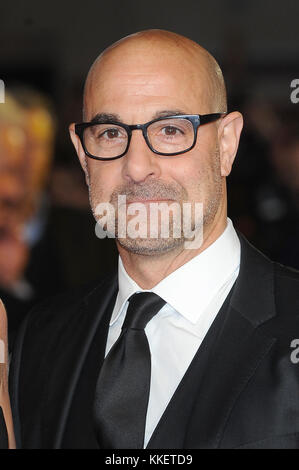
(157, 246)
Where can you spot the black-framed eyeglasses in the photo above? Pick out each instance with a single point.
(169, 136)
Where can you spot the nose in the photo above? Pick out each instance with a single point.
(140, 162)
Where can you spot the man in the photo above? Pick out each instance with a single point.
(188, 346)
(7, 439)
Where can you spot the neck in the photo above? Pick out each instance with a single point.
(147, 271)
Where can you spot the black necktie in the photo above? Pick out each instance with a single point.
(122, 390)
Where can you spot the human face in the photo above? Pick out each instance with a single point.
(135, 86)
(13, 174)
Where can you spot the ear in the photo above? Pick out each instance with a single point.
(229, 132)
(78, 147)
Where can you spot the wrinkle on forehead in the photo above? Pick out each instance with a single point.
(149, 50)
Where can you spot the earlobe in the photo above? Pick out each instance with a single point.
(229, 135)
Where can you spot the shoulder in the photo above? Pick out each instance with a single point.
(57, 313)
(284, 326)
(270, 278)
(51, 323)
(286, 286)
(286, 273)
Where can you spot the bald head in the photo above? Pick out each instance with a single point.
(156, 48)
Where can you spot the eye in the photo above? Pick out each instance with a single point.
(171, 131)
(110, 134)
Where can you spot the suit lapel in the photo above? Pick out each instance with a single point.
(236, 353)
(240, 348)
(72, 350)
(254, 293)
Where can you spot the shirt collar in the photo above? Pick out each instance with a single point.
(201, 277)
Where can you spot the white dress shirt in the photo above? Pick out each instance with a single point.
(194, 294)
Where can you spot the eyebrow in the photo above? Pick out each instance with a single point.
(168, 112)
(107, 117)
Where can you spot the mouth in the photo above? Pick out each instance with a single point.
(145, 201)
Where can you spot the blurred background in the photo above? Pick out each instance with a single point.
(47, 239)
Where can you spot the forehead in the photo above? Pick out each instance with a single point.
(146, 80)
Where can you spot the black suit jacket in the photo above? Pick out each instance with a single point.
(249, 394)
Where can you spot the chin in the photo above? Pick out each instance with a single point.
(150, 247)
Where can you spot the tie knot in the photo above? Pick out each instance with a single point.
(142, 307)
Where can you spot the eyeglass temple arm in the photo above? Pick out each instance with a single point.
(210, 117)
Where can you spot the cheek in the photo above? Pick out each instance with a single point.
(189, 169)
(197, 172)
(206, 161)
(104, 177)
